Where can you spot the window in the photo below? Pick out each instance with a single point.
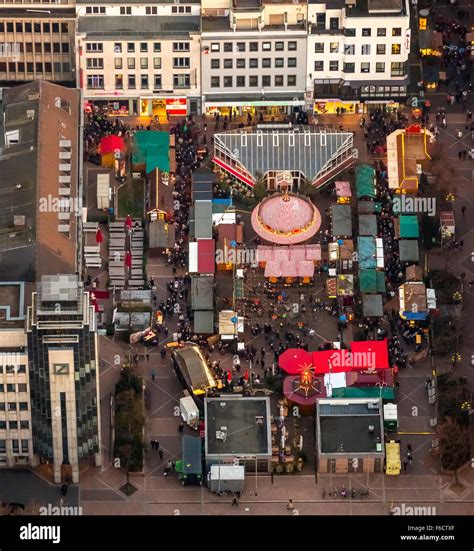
(143, 63)
(241, 63)
(267, 46)
(227, 63)
(181, 81)
(279, 46)
(366, 32)
(349, 49)
(10, 387)
(131, 62)
(349, 67)
(181, 46)
(253, 47)
(119, 81)
(24, 445)
(47, 47)
(215, 47)
(65, 47)
(118, 62)
(319, 65)
(365, 49)
(292, 46)
(397, 31)
(253, 81)
(95, 10)
(381, 32)
(253, 63)
(143, 47)
(291, 80)
(228, 82)
(157, 47)
(13, 425)
(334, 23)
(380, 67)
(181, 62)
(3, 448)
(279, 80)
(2, 387)
(396, 49)
(144, 81)
(23, 406)
(334, 47)
(157, 82)
(321, 20)
(319, 48)
(381, 49)
(398, 69)
(2, 406)
(130, 47)
(15, 446)
(95, 63)
(95, 81)
(21, 369)
(215, 63)
(132, 82)
(151, 10)
(125, 10)
(3, 425)
(11, 406)
(94, 47)
(266, 80)
(215, 82)
(19, 27)
(349, 32)
(228, 47)
(10, 28)
(334, 65)
(365, 67)
(266, 62)
(24, 425)
(279, 62)
(181, 9)
(241, 46)
(240, 82)
(292, 62)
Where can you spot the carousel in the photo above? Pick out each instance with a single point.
(286, 219)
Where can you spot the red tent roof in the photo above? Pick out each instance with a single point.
(206, 256)
(379, 348)
(109, 144)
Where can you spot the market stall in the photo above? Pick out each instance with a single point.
(341, 217)
(343, 192)
(368, 224)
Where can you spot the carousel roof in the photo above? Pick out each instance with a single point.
(286, 219)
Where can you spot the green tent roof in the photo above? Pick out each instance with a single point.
(367, 251)
(371, 281)
(365, 181)
(409, 226)
(388, 392)
(152, 149)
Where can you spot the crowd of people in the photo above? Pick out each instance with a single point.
(379, 127)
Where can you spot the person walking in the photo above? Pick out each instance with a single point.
(405, 464)
(181, 427)
(290, 505)
(160, 453)
(463, 210)
(235, 502)
(152, 444)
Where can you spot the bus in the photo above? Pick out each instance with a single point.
(392, 458)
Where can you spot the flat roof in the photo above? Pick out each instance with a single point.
(237, 425)
(343, 426)
(12, 304)
(202, 292)
(138, 26)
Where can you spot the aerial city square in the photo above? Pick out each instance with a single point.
(236, 258)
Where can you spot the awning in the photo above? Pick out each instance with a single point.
(386, 392)
(254, 101)
(409, 227)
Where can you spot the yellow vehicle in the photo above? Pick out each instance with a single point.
(392, 458)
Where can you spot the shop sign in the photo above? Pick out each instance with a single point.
(176, 106)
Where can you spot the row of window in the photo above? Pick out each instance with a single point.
(240, 81)
(15, 446)
(20, 27)
(22, 387)
(397, 68)
(278, 46)
(38, 67)
(41, 47)
(13, 425)
(350, 49)
(98, 47)
(253, 63)
(12, 368)
(98, 63)
(98, 81)
(127, 10)
(13, 406)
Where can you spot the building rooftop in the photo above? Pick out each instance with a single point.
(140, 25)
(343, 426)
(12, 304)
(151, 2)
(32, 117)
(237, 426)
(377, 8)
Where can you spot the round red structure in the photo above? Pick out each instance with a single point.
(286, 219)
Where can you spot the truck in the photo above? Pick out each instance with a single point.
(223, 479)
(103, 191)
(189, 411)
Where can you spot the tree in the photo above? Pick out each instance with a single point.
(454, 446)
(308, 189)
(260, 191)
(129, 418)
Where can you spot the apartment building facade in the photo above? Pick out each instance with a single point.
(140, 58)
(357, 54)
(37, 41)
(254, 56)
(62, 342)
